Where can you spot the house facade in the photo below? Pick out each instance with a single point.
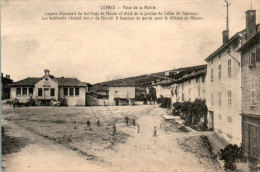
(224, 89)
(5, 88)
(48, 88)
(250, 71)
(119, 95)
(192, 86)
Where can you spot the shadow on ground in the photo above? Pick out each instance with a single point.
(12, 144)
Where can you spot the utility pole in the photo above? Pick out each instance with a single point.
(227, 5)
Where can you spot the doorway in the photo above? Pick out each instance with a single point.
(46, 93)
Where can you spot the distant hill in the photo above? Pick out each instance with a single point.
(145, 80)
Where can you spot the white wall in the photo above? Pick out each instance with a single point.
(230, 131)
(123, 92)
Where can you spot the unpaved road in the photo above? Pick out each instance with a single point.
(141, 152)
(42, 155)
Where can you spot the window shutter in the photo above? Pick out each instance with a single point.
(258, 55)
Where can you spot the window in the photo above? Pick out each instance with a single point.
(18, 91)
(219, 99)
(219, 116)
(30, 91)
(229, 67)
(189, 81)
(253, 94)
(219, 71)
(212, 99)
(76, 91)
(182, 86)
(52, 91)
(24, 91)
(197, 80)
(182, 97)
(229, 98)
(211, 75)
(189, 93)
(199, 92)
(39, 91)
(65, 91)
(71, 91)
(229, 119)
(252, 59)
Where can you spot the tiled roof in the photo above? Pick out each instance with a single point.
(69, 82)
(26, 82)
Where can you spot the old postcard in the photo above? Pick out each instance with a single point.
(130, 85)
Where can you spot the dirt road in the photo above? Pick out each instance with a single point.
(42, 155)
(141, 151)
(144, 152)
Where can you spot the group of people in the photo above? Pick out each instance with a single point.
(127, 120)
(98, 125)
(114, 126)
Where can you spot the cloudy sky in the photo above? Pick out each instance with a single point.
(95, 51)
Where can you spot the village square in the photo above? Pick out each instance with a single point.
(203, 117)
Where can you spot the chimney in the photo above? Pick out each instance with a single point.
(225, 34)
(250, 23)
(47, 72)
(8, 76)
(2, 75)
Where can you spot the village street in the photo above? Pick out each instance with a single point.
(168, 151)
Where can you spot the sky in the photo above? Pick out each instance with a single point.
(96, 51)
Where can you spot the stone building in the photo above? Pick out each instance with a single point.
(47, 88)
(250, 71)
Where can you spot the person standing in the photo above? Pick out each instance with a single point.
(114, 129)
(154, 131)
(134, 121)
(88, 124)
(98, 123)
(138, 128)
(126, 120)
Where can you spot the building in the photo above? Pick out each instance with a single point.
(48, 88)
(121, 95)
(250, 71)
(5, 88)
(183, 85)
(192, 86)
(224, 89)
(224, 98)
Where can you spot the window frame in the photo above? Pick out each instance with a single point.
(219, 71)
(24, 91)
(229, 68)
(251, 65)
(219, 98)
(71, 91)
(229, 98)
(40, 90)
(77, 91)
(252, 94)
(30, 91)
(52, 91)
(67, 91)
(18, 93)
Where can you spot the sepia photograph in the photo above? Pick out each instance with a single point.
(130, 85)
